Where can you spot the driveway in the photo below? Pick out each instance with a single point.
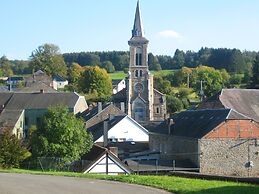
(12, 183)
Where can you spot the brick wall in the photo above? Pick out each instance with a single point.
(235, 129)
(229, 156)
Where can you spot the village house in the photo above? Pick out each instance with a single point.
(215, 141)
(101, 160)
(118, 85)
(29, 108)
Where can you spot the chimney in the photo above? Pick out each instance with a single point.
(114, 150)
(99, 107)
(170, 122)
(123, 107)
(105, 134)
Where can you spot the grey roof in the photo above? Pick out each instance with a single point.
(59, 78)
(8, 118)
(115, 82)
(5, 97)
(36, 87)
(196, 123)
(137, 27)
(244, 101)
(38, 100)
(15, 78)
(97, 130)
(90, 113)
(120, 96)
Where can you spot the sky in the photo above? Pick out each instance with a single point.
(105, 25)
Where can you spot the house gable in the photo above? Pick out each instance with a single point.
(127, 130)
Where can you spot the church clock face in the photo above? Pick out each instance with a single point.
(138, 87)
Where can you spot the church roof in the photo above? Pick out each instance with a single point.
(137, 27)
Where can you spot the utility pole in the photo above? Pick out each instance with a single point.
(201, 89)
(188, 80)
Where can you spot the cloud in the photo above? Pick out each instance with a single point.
(169, 34)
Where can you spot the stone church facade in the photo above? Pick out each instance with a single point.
(143, 102)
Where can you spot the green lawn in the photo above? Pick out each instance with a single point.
(169, 183)
(122, 75)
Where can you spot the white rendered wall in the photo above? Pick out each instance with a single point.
(127, 129)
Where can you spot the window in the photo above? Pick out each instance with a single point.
(136, 73)
(138, 56)
(157, 110)
(140, 73)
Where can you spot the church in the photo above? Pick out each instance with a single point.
(143, 102)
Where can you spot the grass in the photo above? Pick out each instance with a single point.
(170, 183)
(121, 75)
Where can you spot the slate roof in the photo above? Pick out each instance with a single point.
(8, 118)
(97, 130)
(115, 82)
(59, 78)
(90, 113)
(196, 123)
(15, 78)
(120, 96)
(36, 87)
(4, 97)
(37, 100)
(245, 101)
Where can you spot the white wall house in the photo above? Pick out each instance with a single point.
(127, 129)
(59, 82)
(102, 158)
(118, 85)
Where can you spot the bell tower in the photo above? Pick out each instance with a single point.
(139, 81)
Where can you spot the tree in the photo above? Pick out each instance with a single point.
(12, 151)
(162, 85)
(173, 104)
(47, 58)
(95, 80)
(61, 135)
(255, 73)
(5, 67)
(108, 66)
(74, 72)
(179, 58)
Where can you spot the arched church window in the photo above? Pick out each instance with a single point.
(140, 73)
(136, 73)
(138, 56)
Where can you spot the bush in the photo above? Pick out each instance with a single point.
(12, 152)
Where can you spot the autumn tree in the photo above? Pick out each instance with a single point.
(62, 135)
(48, 58)
(95, 80)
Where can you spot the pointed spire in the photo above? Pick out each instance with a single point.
(137, 28)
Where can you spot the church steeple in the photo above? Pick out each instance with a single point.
(137, 28)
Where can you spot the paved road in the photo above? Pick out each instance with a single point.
(11, 183)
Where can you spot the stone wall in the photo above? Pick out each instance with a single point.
(229, 157)
(175, 148)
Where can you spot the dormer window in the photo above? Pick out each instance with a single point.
(138, 56)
